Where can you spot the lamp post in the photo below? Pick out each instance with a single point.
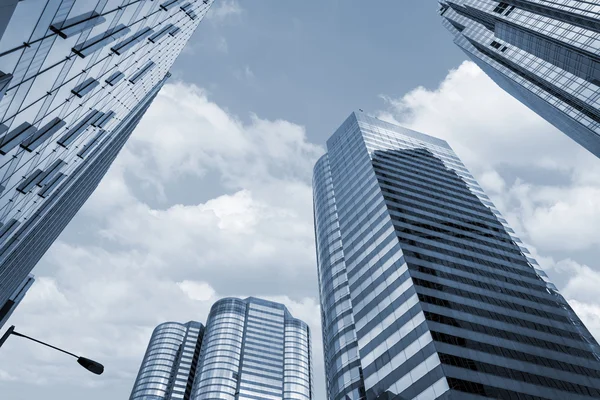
(90, 365)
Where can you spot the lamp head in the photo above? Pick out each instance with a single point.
(91, 365)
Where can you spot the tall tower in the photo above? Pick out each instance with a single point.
(426, 293)
(169, 365)
(75, 79)
(254, 349)
(544, 53)
(251, 349)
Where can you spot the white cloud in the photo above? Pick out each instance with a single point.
(485, 125)
(559, 217)
(201, 291)
(224, 9)
(143, 264)
(514, 154)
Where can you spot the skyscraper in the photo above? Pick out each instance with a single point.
(75, 79)
(14, 300)
(169, 365)
(250, 349)
(426, 292)
(544, 53)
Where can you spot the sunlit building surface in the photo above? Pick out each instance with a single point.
(544, 53)
(426, 292)
(251, 349)
(76, 76)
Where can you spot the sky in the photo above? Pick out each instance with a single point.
(211, 197)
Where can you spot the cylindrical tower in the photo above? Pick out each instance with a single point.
(168, 367)
(220, 356)
(254, 349)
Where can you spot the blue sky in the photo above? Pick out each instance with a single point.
(211, 196)
(312, 62)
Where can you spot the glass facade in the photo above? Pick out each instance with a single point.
(14, 300)
(251, 349)
(544, 53)
(169, 365)
(76, 76)
(426, 292)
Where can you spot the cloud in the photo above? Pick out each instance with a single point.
(201, 291)
(136, 262)
(538, 177)
(485, 125)
(224, 9)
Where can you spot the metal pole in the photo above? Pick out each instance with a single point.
(40, 342)
(11, 331)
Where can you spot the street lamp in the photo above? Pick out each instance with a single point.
(90, 365)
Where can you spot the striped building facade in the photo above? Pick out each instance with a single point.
(426, 292)
(251, 349)
(544, 53)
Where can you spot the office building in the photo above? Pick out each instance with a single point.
(426, 292)
(14, 300)
(544, 53)
(251, 349)
(169, 365)
(75, 79)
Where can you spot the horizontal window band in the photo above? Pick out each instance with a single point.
(90, 145)
(74, 132)
(78, 24)
(97, 42)
(114, 78)
(94, 119)
(154, 38)
(143, 71)
(85, 87)
(8, 227)
(50, 172)
(30, 181)
(35, 140)
(46, 190)
(131, 41)
(168, 4)
(101, 123)
(14, 137)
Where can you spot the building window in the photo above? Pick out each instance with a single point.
(501, 7)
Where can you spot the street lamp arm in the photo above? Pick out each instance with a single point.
(90, 365)
(45, 344)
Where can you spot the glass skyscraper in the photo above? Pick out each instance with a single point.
(169, 365)
(251, 349)
(426, 292)
(544, 53)
(14, 300)
(76, 76)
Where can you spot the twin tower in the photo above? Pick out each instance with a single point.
(426, 293)
(249, 349)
